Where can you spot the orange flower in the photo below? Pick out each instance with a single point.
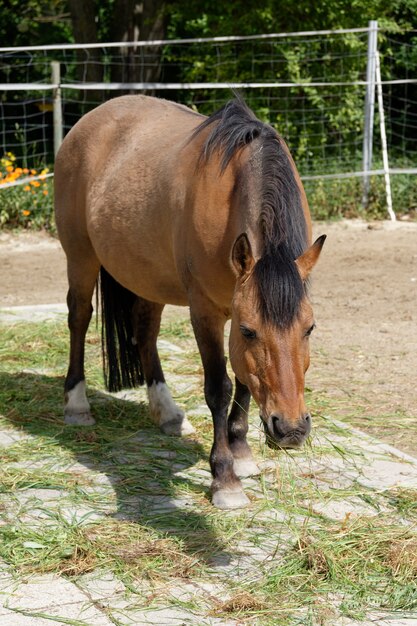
(35, 183)
(33, 171)
(9, 168)
(26, 212)
(25, 170)
(26, 188)
(45, 192)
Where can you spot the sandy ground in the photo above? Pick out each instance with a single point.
(364, 291)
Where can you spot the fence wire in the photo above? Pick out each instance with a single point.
(309, 86)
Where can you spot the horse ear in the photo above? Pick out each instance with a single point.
(242, 257)
(309, 258)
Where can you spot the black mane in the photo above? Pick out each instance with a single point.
(281, 217)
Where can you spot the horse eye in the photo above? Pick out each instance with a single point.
(310, 330)
(247, 332)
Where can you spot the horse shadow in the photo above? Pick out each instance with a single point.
(152, 476)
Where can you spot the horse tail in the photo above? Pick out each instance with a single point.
(122, 367)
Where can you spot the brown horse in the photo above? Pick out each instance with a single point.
(171, 207)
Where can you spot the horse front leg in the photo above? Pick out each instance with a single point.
(208, 324)
(237, 427)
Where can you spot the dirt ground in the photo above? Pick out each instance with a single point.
(364, 291)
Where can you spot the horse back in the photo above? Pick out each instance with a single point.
(122, 180)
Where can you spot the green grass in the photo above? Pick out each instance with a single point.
(104, 479)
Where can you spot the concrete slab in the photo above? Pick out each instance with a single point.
(10, 437)
(387, 474)
(343, 509)
(100, 585)
(44, 597)
(33, 313)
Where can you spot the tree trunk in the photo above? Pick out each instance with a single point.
(85, 31)
(138, 21)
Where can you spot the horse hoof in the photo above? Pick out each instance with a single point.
(245, 467)
(79, 419)
(178, 428)
(230, 499)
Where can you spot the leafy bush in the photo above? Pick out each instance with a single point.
(338, 198)
(28, 205)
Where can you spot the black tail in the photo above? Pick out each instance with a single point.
(121, 362)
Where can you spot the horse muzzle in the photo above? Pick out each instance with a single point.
(281, 433)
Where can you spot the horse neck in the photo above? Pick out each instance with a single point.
(247, 199)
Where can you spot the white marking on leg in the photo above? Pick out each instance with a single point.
(245, 467)
(230, 498)
(77, 407)
(169, 417)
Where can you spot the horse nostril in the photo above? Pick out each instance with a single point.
(307, 423)
(277, 426)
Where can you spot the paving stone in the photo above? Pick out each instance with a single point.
(203, 592)
(201, 476)
(40, 495)
(341, 509)
(50, 507)
(177, 469)
(78, 613)
(201, 410)
(146, 504)
(270, 514)
(10, 437)
(383, 474)
(372, 444)
(48, 595)
(165, 346)
(35, 313)
(52, 466)
(379, 619)
(166, 617)
(328, 471)
(100, 585)
(11, 618)
(164, 454)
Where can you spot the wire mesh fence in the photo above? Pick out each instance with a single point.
(310, 86)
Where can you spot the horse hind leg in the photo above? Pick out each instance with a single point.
(82, 279)
(146, 323)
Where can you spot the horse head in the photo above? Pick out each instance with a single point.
(269, 351)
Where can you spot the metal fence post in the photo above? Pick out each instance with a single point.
(369, 107)
(57, 105)
(384, 143)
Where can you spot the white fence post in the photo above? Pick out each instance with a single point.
(369, 108)
(57, 104)
(384, 138)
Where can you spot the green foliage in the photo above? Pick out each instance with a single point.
(28, 205)
(34, 22)
(23, 209)
(323, 127)
(200, 18)
(338, 198)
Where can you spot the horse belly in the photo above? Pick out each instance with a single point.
(151, 284)
(133, 243)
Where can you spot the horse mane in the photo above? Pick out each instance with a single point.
(281, 220)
